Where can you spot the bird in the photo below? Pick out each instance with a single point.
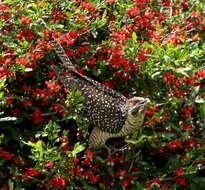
(110, 112)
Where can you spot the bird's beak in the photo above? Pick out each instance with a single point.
(141, 106)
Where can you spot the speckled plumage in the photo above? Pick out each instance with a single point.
(101, 109)
(109, 111)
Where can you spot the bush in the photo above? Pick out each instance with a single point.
(151, 48)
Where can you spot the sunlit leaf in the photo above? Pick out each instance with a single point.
(200, 100)
(195, 91)
(184, 70)
(1, 95)
(2, 81)
(104, 14)
(136, 141)
(1, 137)
(77, 148)
(134, 36)
(8, 119)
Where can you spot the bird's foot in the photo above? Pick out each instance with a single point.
(112, 150)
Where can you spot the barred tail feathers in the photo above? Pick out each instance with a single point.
(67, 81)
(68, 64)
(60, 51)
(55, 69)
(62, 55)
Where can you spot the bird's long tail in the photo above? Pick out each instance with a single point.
(67, 81)
(62, 55)
(68, 64)
(65, 61)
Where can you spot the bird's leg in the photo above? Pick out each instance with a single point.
(114, 150)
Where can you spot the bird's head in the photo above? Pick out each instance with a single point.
(136, 109)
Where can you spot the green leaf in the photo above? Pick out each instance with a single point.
(39, 145)
(77, 148)
(134, 36)
(200, 100)
(137, 141)
(194, 92)
(184, 70)
(88, 187)
(97, 72)
(68, 116)
(202, 111)
(34, 6)
(155, 74)
(29, 143)
(1, 95)
(1, 137)
(8, 119)
(104, 14)
(2, 161)
(199, 180)
(94, 33)
(11, 44)
(24, 44)
(2, 81)
(11, 185)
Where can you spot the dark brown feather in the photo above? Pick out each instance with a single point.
(101, 108)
